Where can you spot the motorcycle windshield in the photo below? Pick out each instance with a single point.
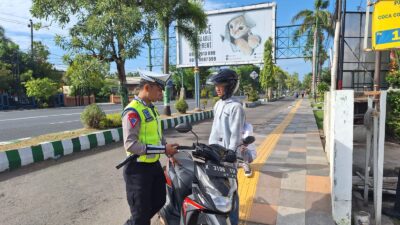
(217, 190)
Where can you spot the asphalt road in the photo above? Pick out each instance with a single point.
(17, 124)
(85, 188)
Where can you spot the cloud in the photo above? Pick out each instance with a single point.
(14, 18)
(295, 65)
(213, 5)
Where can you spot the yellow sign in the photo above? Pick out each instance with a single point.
(386, 25)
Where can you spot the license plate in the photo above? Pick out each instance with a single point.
(220, 171)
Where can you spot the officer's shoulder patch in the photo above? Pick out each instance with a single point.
(147, 115)
(133, 118)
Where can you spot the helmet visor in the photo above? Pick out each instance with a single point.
(215, 78)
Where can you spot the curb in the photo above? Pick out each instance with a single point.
(251, 104)
(13, 159)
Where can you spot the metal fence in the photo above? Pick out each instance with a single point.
(357, 66)
(285, 45)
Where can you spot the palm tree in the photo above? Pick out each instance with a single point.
(315, 22)
(190, 18)
(150, 26)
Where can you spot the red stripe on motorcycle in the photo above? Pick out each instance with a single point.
(193, 203)
(169, 182)
(189, 201)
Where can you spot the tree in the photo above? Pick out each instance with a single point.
(321, 89)
(11, 62)
(184, 75)
(5, 77)
(40, 66)
(267, 79)
(187, 76)
(186, 14)
(306, 84)
(86, 75)
(106, 90)
(245, 79)
(293, 82)
(326, 75)
(41, 89)
(315, 22)
(105, 29)
(3, 37)
(133, 74)
(281, 77)
(17, 67)
(393, 77)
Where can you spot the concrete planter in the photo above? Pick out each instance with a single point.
(251, 104)
(265, 100)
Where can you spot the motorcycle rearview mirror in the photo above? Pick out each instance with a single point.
(183, 127)
(248, 140)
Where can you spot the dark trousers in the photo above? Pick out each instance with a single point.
(145, 190)
(234, 214)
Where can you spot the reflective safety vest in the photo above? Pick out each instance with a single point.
(150, 132)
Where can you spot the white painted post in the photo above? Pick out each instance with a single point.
(380, 157)
(331, 133)
(367, 156)
(343, 106)
(327, 124)
(375, 156)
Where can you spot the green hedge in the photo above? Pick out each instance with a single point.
(393, 115)
(181, 106)
(111, 121)
(92, 115)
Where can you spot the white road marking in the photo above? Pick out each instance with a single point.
(71, 121)
(14, 141)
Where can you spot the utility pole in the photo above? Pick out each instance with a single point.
(182, 93)
(334, 68)
(197, 79)
(377, 74)
(167, 102)
(150, 65)
(315, 60)
(31, 26)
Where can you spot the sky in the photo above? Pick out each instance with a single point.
(15, 15)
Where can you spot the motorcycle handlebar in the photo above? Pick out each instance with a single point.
(182, 147)
(239, 159)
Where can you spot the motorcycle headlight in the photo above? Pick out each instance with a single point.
(222, 203)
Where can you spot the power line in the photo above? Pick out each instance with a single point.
(57, 55)
(7, 14)
(26, 18)
(12, 21)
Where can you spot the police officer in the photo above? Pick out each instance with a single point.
(142, 134)
(229, 120)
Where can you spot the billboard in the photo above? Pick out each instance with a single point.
(234, 36)
(385, 25)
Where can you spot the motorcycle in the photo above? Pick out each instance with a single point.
(201, 186)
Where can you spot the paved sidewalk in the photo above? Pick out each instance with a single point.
(292, 187)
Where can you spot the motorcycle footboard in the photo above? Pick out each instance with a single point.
(197, 217)
(168, 215)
